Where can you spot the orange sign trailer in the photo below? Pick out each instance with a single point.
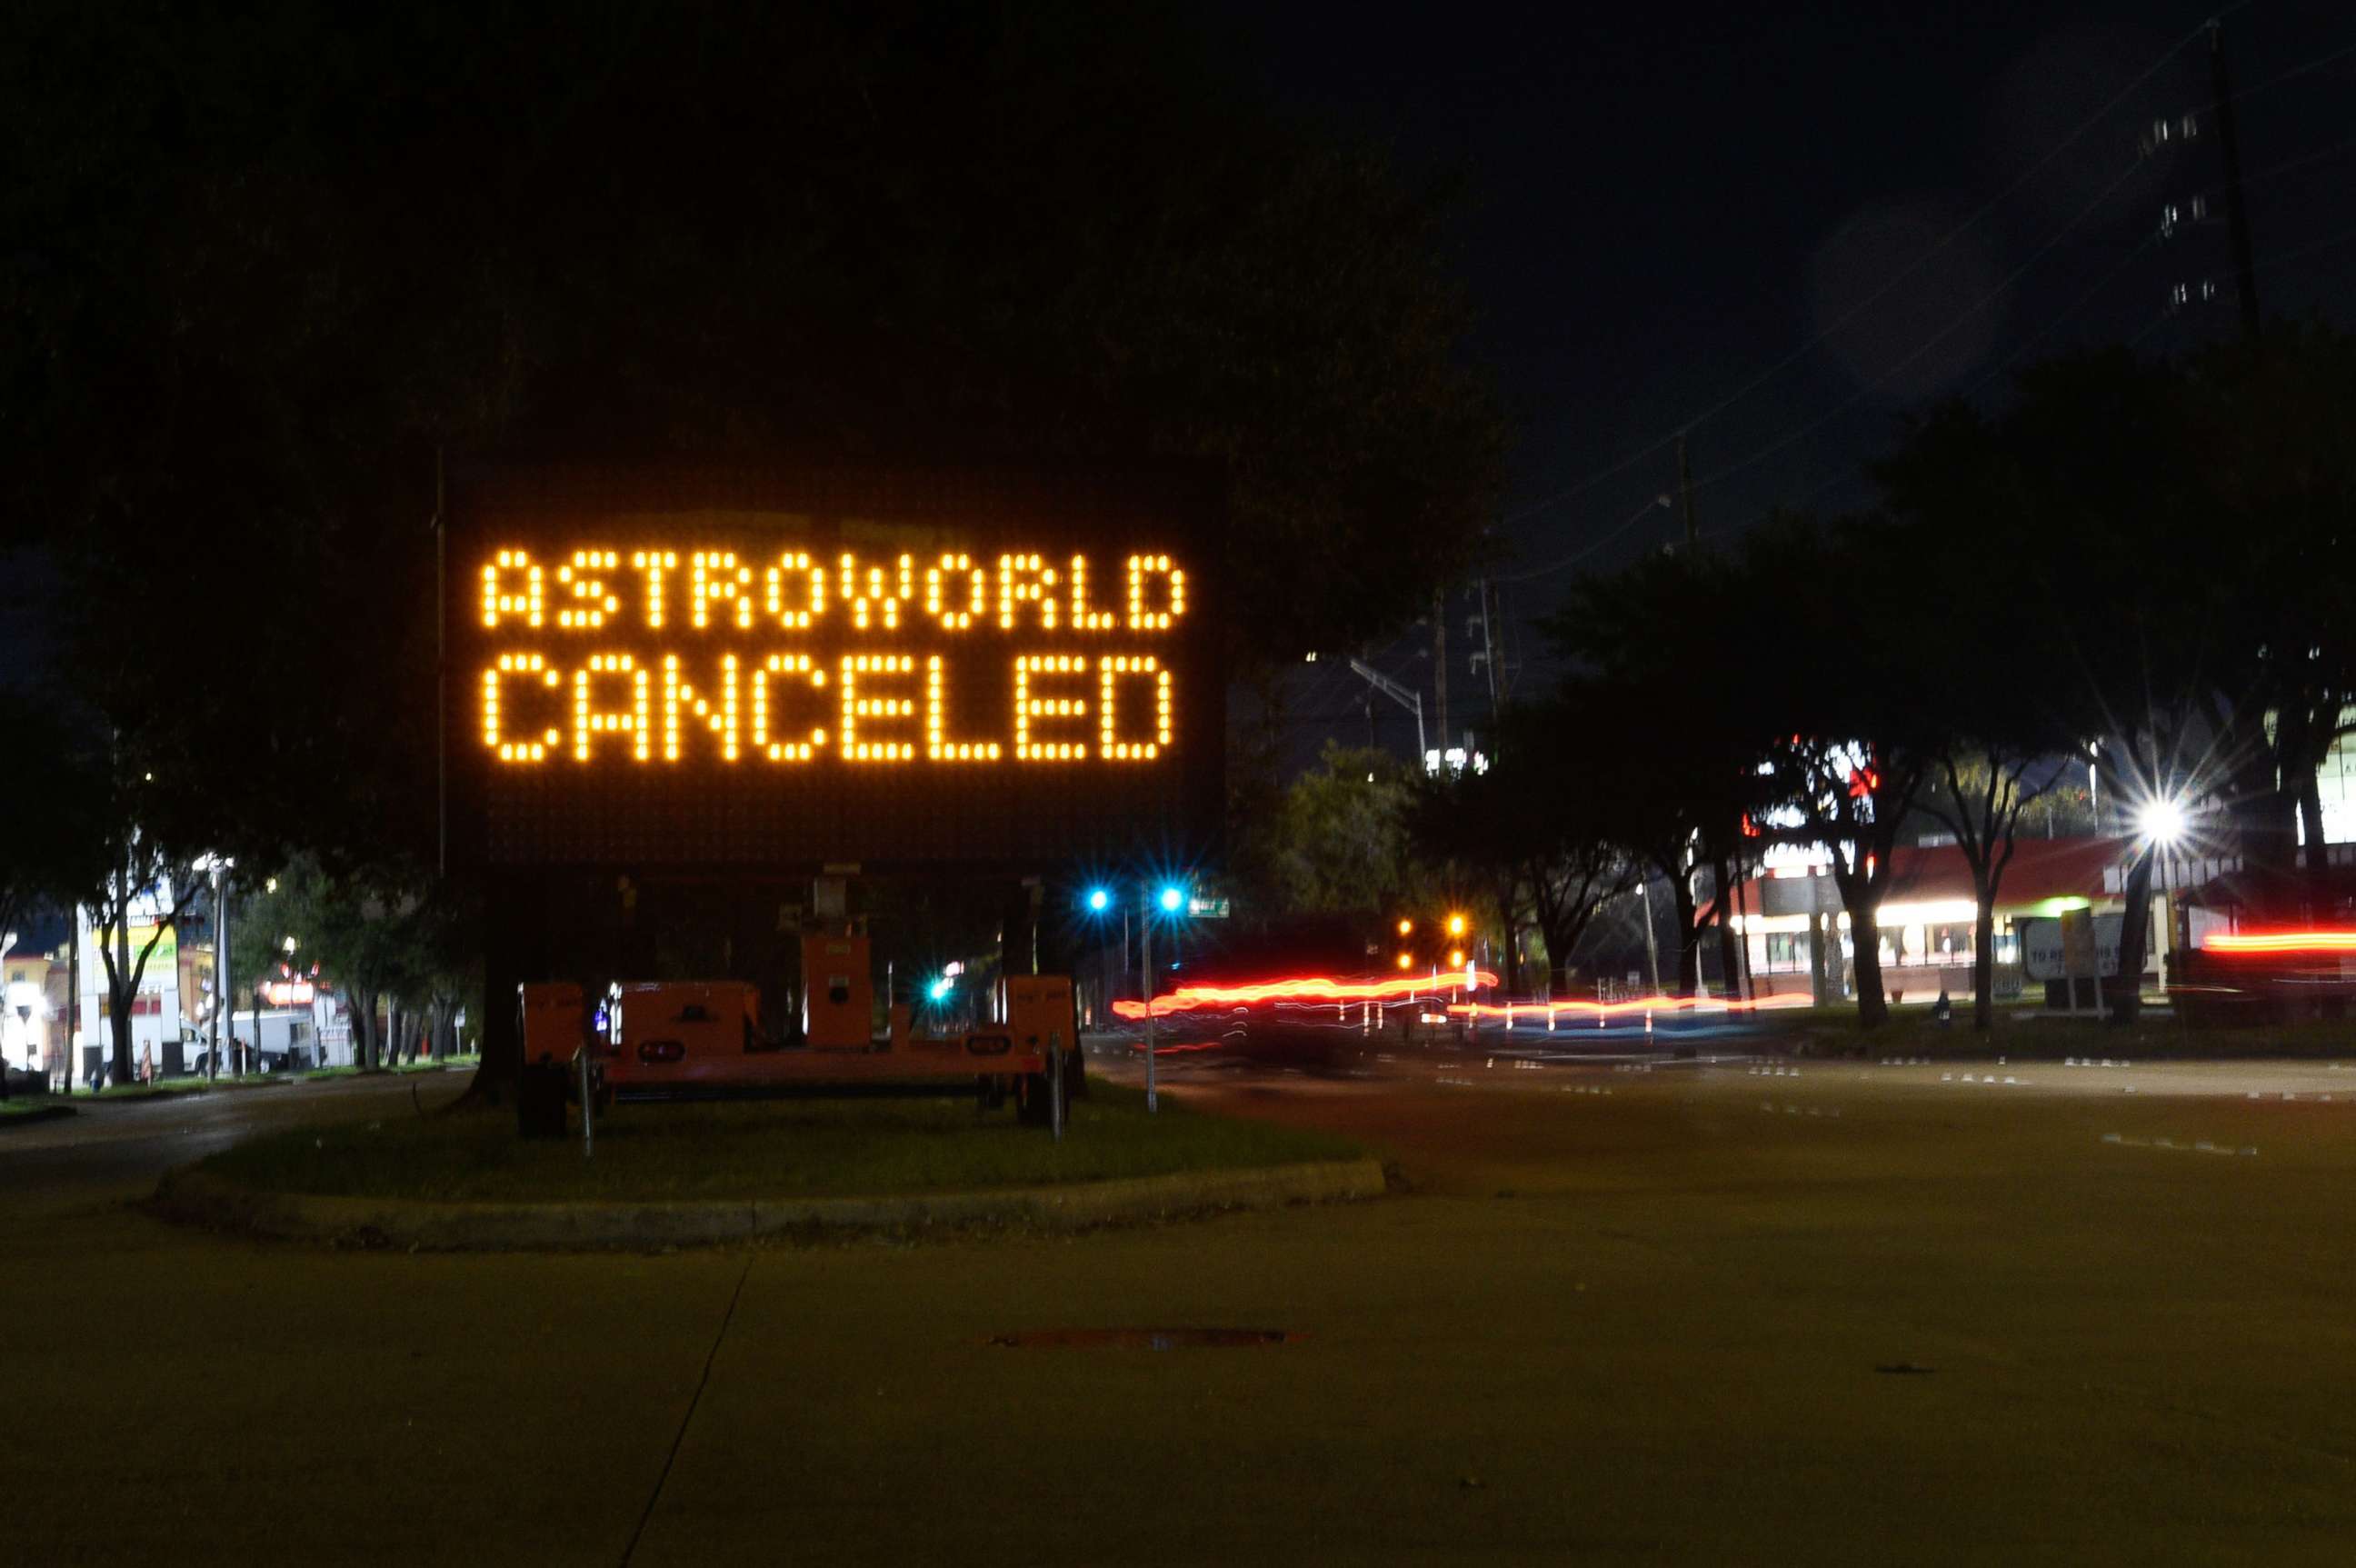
(665, 1038)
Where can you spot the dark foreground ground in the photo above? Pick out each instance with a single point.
(1856, 1315)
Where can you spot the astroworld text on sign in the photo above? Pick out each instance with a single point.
(657, 657)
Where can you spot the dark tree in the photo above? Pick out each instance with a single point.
(1537, 828)
(2172, 532)
(1668, 745)
(267, 263)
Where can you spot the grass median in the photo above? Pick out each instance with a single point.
(795, 1148)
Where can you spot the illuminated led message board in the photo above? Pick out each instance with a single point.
(785, 670)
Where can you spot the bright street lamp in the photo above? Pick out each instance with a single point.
(1172, 899)
(1099, 900)
(2162, 820)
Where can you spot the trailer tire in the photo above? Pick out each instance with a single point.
(1076, 1076)
(1030, 1107)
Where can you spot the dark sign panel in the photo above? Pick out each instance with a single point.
(772, 668)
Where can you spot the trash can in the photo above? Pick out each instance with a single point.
(540, 1100)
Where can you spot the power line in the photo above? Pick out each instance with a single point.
(2318, 155)
(2100, 284)
(1937, 247)
(2280, 257)
(1641, 513)
(2303, 69)
(2134, 255)
(1874, 382)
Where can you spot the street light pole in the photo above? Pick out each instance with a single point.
(1651, 944)
(220, 975)
(1405, 697)
(1152, 1099)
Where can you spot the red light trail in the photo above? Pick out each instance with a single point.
(1534, 1012)
(2282, 942)
(1317, 989)
(1307, 988)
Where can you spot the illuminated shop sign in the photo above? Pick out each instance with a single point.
(764, 672)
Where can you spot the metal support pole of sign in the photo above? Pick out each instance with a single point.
(1145, 939)
(1055, 1084)
(588, 1108)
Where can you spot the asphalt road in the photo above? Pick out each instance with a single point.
(1706, 1313)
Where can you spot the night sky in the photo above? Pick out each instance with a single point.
(1678, 210)
(1785, 228)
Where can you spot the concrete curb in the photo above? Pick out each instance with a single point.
(37, 1115)
(198, 1196)
(153, 1096)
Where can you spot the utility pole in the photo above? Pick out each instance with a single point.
(1440, 668)
(1489, 649)
(2237, 217)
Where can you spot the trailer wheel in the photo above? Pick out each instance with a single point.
(1030, 1107)
(1076, 1076)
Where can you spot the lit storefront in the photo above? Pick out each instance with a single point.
(1791, 914)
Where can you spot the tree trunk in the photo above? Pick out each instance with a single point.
(1819, 987)
(1513, 955)
(118, 1031)
(2265, 819)
(2322, 908)
(1688, 939)
(1984, 957)
(364, 1031)
(1729, 961)
(1862, 897)
(2126, 1003)
(1865, 965)
(121, 994)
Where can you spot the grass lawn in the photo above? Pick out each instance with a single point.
(27, 1104)
(764, 1149)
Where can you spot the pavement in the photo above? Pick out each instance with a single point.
(1730, 1312)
